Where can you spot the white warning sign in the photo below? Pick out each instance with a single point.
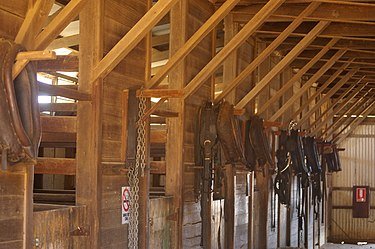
(125, 205)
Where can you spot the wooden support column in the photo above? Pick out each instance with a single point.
(262, 180)
(266, 52)
(89, 120)
(338, 122)
(297, 76)
(321, 89)
(323, 122)
(16, 206)
(283, 63)
(328, 95)
(229, 73)
(234, 43)
(307, 85)
(176, 126)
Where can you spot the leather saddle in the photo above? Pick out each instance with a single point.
(20, 130)
(228, 131)
(259, 141)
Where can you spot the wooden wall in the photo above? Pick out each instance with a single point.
(119, 18)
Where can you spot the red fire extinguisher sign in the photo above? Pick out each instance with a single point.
(361, 195)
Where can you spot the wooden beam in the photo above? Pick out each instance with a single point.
(31, 25)
(66, 63)
(354, 123)
(328, 95)
(339, 121)
(36, 55)
(353, 110)
(58, 124)
(55, 166)
(266, 52)
(58, 107)
(319, 121)
(335, 29)
(297, 76)
(64, 42)
(326, 11)
(159, 40)
(190, 44)
(232, 45)
(132, 38)
(321, 89)
(307, 85)
(67, 166)
(56, 90)
(53, 29)
(160, 93)
(56, 139)
(282, 64)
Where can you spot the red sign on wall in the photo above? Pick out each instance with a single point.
(361, 195)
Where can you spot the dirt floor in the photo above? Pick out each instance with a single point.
(348, 246)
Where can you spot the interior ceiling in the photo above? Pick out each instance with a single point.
(351, 22)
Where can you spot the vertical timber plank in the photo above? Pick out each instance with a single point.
(89, 124)
(175, 134)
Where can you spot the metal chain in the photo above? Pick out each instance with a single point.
(140, 162)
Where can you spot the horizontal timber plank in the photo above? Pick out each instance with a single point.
(64, 63)
(56, 90)
(65, 124)
(58, 107)
(57, 166)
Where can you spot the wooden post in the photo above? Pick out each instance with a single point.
(263, 185)
(229, 206)
(175, 136)
(144, 187)
(16, 206)
(250, 235)
(89, 119)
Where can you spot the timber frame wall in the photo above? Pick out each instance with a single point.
(253, 66)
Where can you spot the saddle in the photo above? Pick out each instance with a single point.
(20, 130)
(228, 131)
(259, 141)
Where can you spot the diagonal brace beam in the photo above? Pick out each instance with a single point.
(320, 122)
(329, 94)
(232, 45)
(267, 51)
(283, 63)
(357, 105)
(297, 76)
(308, 84)
(354, 123)
(132, 38)
(321, 89)
(198, 36)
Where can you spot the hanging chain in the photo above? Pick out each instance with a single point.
(140, 162)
